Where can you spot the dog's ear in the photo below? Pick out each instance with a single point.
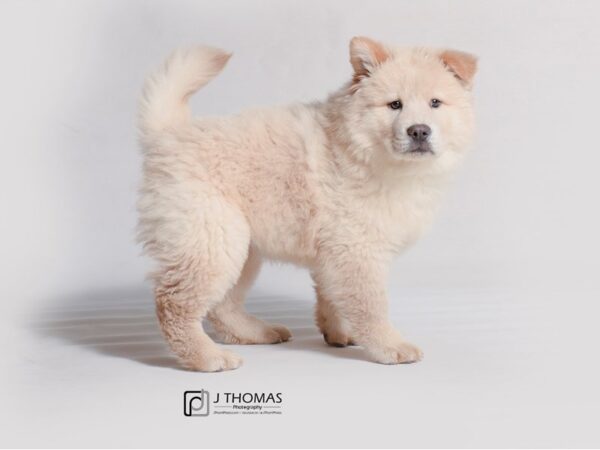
(365, 55)
(462, 65)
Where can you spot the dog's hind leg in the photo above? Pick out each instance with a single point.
(230, 320)
(202, 254)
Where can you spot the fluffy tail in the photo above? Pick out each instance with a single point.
(166, 92)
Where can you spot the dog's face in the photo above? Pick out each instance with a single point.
(414, 103)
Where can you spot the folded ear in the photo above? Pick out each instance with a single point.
(462, 65)
(365, 55)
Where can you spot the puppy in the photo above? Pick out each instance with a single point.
(339, 187)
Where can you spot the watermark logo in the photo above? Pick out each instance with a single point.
(196, 403)
(199, 403)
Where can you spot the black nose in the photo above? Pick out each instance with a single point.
(419, 132)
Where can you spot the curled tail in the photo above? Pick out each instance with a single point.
(166, 92)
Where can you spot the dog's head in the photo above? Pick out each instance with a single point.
(414, 103)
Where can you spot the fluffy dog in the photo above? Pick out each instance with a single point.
(338, 186)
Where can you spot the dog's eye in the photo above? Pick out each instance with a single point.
(435, 102)
(396, 104)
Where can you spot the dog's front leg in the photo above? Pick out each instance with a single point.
(354, 285)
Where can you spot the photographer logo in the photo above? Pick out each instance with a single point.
(199, 403)
(196, 403)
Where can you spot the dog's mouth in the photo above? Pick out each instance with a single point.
(423, 148)
(413, 150)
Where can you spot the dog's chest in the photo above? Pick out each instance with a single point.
(397, 217)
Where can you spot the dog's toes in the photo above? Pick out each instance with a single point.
(256, 333)
(399, 353)
(214, 361)
(337, 340)
(284, 334)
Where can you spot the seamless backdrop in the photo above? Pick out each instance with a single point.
(502, 294)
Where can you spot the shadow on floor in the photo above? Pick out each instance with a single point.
(121, 323)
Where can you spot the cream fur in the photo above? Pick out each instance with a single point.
(329, 186)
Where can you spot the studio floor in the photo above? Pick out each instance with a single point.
(94, 368)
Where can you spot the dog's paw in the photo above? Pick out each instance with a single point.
(284, 334)
(336, 339)
(215, 360)
(270, 334)
(401, 352)
(252, 333)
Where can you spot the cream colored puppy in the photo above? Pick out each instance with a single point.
(338, 186)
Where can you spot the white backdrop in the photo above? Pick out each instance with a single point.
(503, 288)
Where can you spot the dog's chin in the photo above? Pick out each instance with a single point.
(414, 152)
